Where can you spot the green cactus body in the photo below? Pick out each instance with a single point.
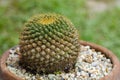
(49, 43)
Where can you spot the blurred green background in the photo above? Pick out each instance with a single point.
(97, 21)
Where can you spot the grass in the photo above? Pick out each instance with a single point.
(102, 29)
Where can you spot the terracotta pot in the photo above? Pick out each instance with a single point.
(114, 75)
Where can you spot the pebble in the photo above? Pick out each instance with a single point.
(51, 77)
(90, 65)
(94, 64)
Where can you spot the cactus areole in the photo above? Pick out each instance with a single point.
(49, 43)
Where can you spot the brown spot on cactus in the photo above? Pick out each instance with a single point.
(49, 43)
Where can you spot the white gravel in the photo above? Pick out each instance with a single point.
(90, 65)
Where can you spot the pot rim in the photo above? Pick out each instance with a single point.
(113, 75)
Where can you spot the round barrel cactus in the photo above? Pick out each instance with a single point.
(49, 43)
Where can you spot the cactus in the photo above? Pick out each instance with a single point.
(49, 43)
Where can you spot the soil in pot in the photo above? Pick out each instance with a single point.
(90, 65)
